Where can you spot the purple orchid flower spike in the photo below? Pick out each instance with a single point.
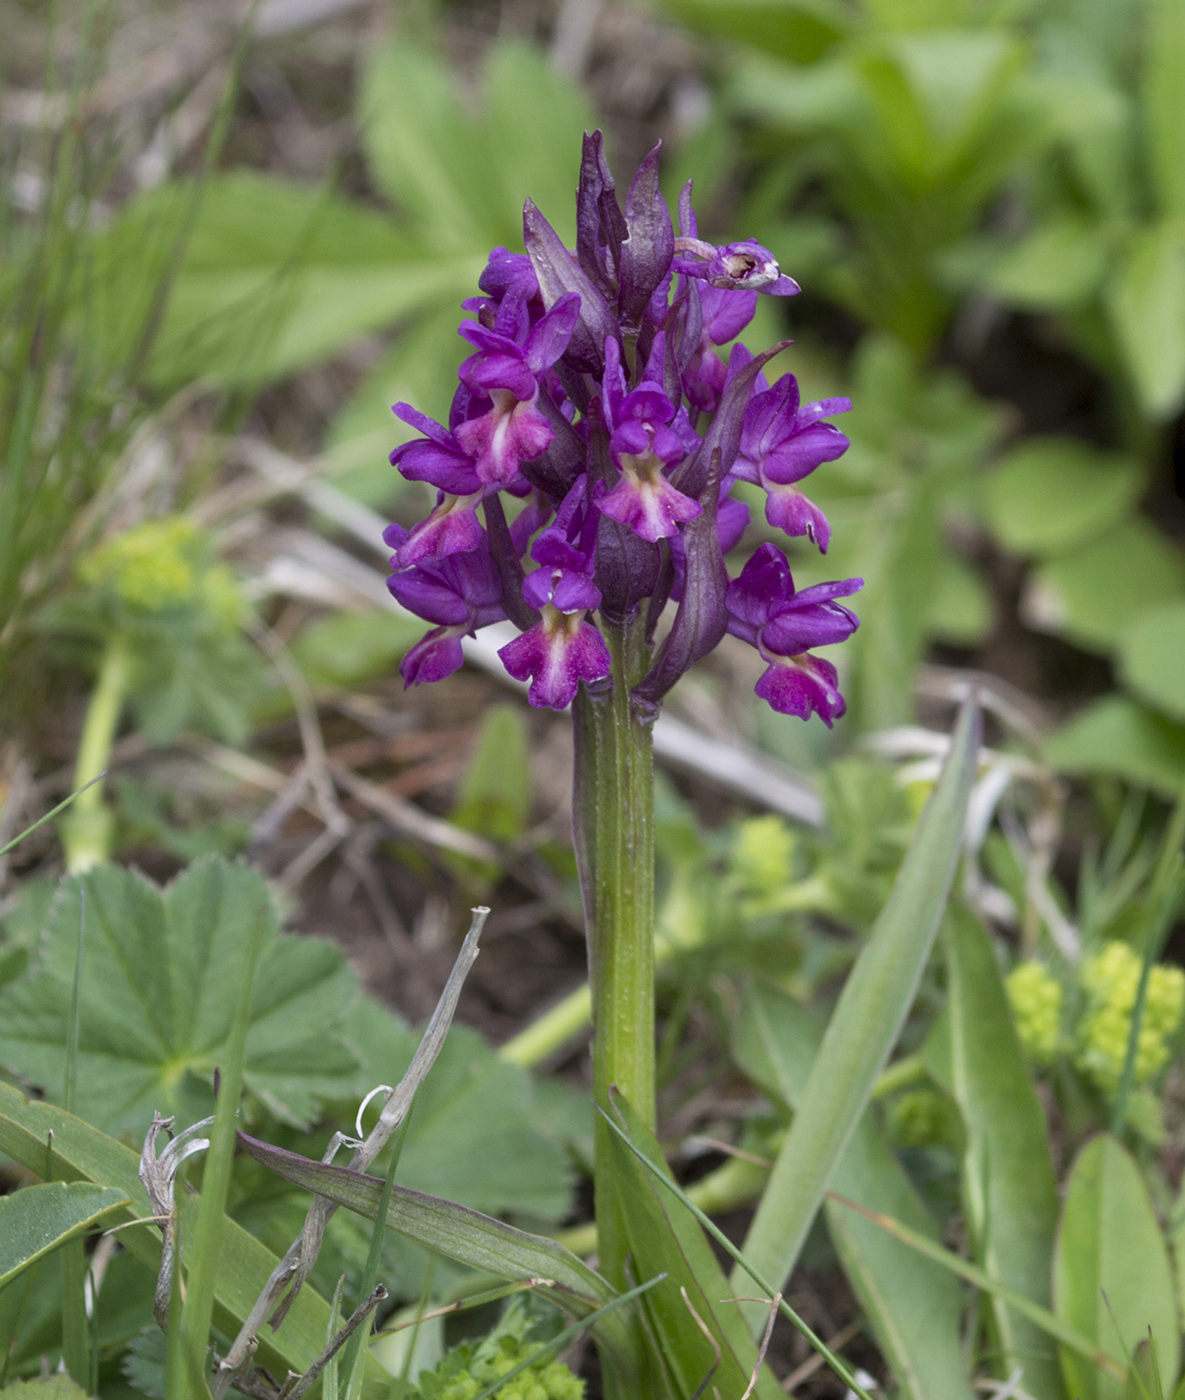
(783, 442)
(596, 434)
(765, 611)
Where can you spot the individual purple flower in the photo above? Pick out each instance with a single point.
(643, 443)
(743, 267)
(783, 442)
(512, 430)
(460, 593)
(562, 649)
(765, 611)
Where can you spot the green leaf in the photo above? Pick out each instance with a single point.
(473, 1136)
(51, 1142)
(1056, 267)
(157, 1003)
(1164, 112)
(471, 1238)
(962, 608)
(1050, 494)
(59, 1387)
(1116, 735)
(867, 1020)
(1112, 1279)
(671, 1242)
(1092, 594)
(914, 1311)
(1152, 658)
(1009, 1190)
(495, 795)
(39, 1218)
(799, 31)
(1146, 303)
(347, 648)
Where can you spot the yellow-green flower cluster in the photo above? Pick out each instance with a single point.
(1110, 978)
(1036, 997)
(549, 1380)
(760, 860)
(922, 1118)
(151, 567)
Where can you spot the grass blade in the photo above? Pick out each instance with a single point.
(198, 1313)
(76, 1340)
(973, 1274)
(866, 1023)
(53, 812)
(743, 1263)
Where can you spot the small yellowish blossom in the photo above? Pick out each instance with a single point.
(1036, 998)
(151, 566)
(762, 854)
(1111, 979)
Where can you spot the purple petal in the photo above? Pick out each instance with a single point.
(786, 508)
(732, 520)
(797, 456)
(763, 587)
(825, 592)
(448, 469)
(452, 528)
(556, 655)
(505, 270)
(800, 629)
(550, 336)
(429, 598)
(651, 507)
(423, 424)
(501, 440)
(726, 314)
(432, 658)
(805, 686)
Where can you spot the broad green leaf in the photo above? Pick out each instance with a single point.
(1049, 494)
(346, 648)
(276, 275)
(495, 795)
(962, 607)
(1009, 1190)
(1112, 1278)
(39, 1218)
(1057, 266)
(800, 31)
(1152, 658)
(473, 1137)
(80, 1152)
(914, 1311)
(669, 1240)
(157, 1005)
(59, 1387)
(1146, 303)
(1092, 594)
(1116, 735)
(867, 1020)
(1163, 109)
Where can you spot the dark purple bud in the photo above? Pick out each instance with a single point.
(626, 565)
(600, 227)
(701, 618)
(560, 274)
(506, 558)
(646, 254)
(505, 272)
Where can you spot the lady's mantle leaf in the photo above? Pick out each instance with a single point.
(157, 999)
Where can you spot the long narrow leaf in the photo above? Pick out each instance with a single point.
(867, 1020)
(1008, 1182)
(39, 1218)
(1044, 1319)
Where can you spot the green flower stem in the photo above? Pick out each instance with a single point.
(87, 830)
(614, 830)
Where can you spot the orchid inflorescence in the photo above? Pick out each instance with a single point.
(597, 400)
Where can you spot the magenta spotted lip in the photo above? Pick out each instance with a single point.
(597, 399)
